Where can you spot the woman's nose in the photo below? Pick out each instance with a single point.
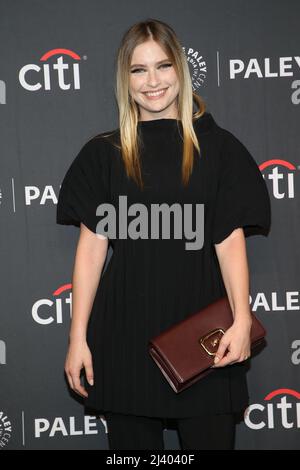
(153, 79)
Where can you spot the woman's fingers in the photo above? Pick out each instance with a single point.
(78, 388)
(75, 384)
(89, 373)
(78, 358)
(231, 359)
(69, 377)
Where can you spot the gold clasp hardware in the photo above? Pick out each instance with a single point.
(211, 341)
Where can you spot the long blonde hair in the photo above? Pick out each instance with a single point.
(165, 36)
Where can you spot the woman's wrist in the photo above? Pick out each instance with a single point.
(243, 319)
(77, 337)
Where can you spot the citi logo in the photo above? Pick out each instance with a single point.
(47, 311)
(282, 181)
(275, 413)
(33, 77)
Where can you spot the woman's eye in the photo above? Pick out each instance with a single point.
(163, 65)
(136, 70)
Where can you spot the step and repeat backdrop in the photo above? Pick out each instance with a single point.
(57, 80)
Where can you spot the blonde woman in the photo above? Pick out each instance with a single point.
(163, 153)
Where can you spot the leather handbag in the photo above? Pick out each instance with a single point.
(185, 352)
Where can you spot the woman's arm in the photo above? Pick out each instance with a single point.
(89, 260)
(232, 257)
(90, 257)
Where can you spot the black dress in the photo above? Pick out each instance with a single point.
(150, 284)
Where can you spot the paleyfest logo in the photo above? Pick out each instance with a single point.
(5, 430)
(268, 68)
(198, 67)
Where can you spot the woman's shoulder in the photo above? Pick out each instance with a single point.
(89, 156)
(208, 124)
(109, 138)
(103, 141)
(97, 148)
(225, 140)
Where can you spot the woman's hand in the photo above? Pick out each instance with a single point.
(78, 357)
(237, 341)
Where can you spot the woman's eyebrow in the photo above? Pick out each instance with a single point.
(143, 65)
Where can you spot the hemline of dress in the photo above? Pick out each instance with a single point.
(95, 410)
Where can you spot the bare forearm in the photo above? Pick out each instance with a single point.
(87, 270)
(232, 256)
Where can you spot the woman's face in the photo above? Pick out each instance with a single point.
(151, 71)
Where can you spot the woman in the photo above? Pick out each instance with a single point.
(162, 153)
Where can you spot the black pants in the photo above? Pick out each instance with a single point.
(209, 432)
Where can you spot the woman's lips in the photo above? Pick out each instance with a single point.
(155, 97)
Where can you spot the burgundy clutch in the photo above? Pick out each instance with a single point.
(185, 352)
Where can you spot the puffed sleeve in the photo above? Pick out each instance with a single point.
(242, 197)
(84, 187)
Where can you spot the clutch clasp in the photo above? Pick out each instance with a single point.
(210, 342)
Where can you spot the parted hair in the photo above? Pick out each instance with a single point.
(129, 144)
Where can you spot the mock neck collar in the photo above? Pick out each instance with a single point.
(204, 123)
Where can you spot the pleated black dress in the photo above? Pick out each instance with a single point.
(151, 284)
